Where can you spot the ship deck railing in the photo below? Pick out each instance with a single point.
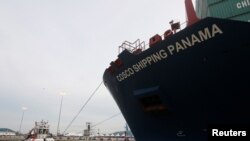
(139, 46)
(132, 47)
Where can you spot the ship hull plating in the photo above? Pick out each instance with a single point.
(176, 89)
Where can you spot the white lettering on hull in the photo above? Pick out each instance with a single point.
(181, 45)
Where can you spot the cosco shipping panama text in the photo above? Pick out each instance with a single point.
(183, 44)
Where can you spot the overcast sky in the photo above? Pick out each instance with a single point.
(50, 46)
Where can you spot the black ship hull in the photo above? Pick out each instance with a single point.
(176, 89)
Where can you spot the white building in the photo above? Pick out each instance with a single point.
(6, 132)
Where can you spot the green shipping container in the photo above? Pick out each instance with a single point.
(244, 17)
(229, 8)
(211, 2)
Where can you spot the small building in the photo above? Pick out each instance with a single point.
(7, 132)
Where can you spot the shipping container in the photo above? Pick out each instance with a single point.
(228, 9)
(211, 2)
(201, 8)
(244, 17)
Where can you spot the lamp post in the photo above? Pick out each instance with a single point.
(23, 109)
(62, 94)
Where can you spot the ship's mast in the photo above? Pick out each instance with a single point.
(191, 14)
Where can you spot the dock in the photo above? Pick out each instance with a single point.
(21, 138)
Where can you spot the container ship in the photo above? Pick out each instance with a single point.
(188, 81)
